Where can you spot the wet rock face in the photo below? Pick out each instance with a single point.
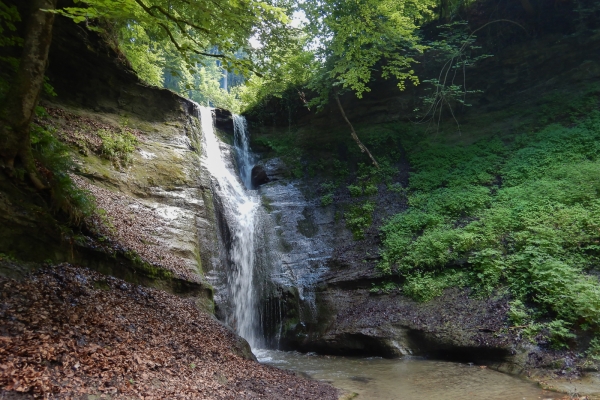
(259, 176)
(224, 121)
(324, 304)
(314, 250)
(453, 326)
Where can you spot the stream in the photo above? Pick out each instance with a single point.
(407, 378)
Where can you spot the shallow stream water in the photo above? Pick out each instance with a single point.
(407, 378)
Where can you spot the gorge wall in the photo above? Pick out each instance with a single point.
(165, 230)
(330, 297)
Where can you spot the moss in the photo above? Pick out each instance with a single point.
(102, 285)
(266, 203)
(150, 270)
(198, 259)
(195, 129)
(224, 136)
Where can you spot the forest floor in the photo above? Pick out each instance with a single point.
(71, 333)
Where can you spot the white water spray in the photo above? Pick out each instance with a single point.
(240, 207)
(245, 160)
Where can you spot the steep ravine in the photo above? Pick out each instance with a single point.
(323, 302)
(126, 309)
(316, 293)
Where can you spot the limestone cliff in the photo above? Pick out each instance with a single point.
(159, 205)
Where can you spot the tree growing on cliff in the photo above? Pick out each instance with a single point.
(356, 38)
(17, 109)
(211, 28)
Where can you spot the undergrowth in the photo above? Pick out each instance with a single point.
(117, 147)
(359, 217)
(519, 216)
(55, 163)
(285, 147)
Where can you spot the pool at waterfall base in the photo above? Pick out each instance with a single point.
(408, 378)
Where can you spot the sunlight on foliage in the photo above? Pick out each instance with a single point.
(523, 215)
(117, 147)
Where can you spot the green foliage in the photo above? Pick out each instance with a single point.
(118, 147)
(355, 191)
(327, 199)
(454, 51)
(424, 287)
(559, 333)
(368, 177)
(48, 88)
(7, 257)
(58, 164)
(194, 29)
(386, 287)
(340, 170)
(189, 47)
(354, 37)
(359, 217)
(559, 107)
(396, 188)
(290, 71)
(146, 58)
(328, 188)
(593, 350)
(9, 17)
(518, 314)
(285, 147)
(523, 215)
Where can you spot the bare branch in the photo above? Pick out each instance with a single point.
(361, 146)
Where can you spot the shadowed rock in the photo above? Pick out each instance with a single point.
(259, 176)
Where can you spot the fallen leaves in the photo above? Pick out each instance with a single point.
(79, 131)
(140, 343)
(133, 227)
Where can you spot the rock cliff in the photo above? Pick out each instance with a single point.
(160, 204)
(330, 299)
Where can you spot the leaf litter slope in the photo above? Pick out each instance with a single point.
(135, 227)
(66, 332)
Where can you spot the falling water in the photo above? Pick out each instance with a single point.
(245, 159)
(240, 207)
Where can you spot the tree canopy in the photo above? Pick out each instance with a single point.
(196, 30)
(352, 37)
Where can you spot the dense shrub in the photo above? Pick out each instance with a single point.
(521, 215)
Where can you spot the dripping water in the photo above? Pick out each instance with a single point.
(240, 207)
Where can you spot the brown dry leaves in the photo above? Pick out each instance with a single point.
(68, 331)
(132, 225)
(133, 228)
(80, 132)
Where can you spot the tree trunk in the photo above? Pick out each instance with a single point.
(19, 106)
(360, 144)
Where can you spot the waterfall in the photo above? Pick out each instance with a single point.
(240, 208)
(245, 160)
